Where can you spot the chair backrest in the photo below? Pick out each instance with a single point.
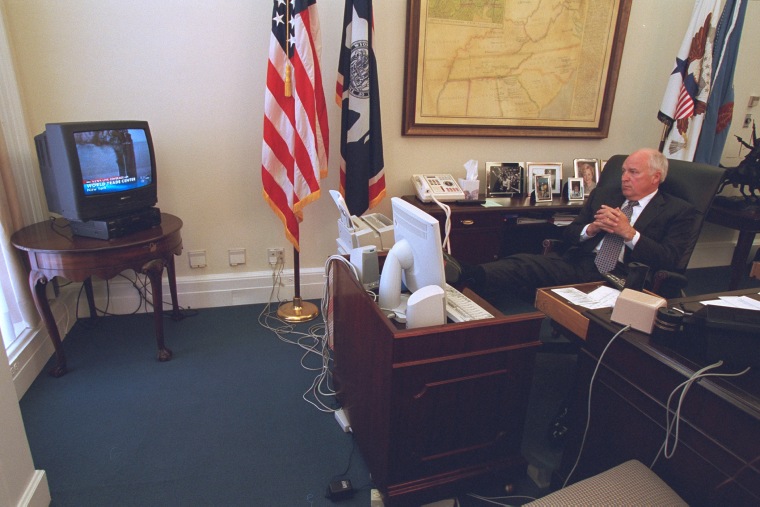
(693, 182)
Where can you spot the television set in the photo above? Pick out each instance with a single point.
(98, 170)
(416, 258)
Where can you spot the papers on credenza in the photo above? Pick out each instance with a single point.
(531, 220)
(562, 219)
(743, 302)
(601, 297)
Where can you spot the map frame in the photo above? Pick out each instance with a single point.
(415, 124)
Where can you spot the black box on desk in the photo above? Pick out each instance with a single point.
(730, 334)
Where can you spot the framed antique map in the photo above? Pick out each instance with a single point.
(543, 68)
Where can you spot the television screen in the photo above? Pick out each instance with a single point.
(113, 160)
(94, 170)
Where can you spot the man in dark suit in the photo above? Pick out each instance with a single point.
(657, 234)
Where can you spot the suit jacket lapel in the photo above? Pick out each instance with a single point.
(650, 212)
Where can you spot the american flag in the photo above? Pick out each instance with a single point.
(362, 177)
(296, 137)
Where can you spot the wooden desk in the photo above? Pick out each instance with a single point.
(747, 222)
(480, 234)
(432, 408)
(716, 460)
(51, 250)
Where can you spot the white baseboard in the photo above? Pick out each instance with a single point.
(37, 493)
(707, 255)
(211, 291)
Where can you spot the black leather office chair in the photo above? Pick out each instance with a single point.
(693, 182)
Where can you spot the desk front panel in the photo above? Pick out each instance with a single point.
(715, 461)
(431, 408)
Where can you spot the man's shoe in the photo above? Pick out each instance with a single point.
(452, 269)
(463, 274)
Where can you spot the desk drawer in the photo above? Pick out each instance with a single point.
(475, 237)
(563, 312)
(466, 221)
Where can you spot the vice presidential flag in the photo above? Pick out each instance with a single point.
(685, 100)
(720, 106)
(295, 147)
(362, 178)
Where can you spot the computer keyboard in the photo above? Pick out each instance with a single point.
(460, 308)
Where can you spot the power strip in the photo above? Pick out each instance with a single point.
(342, 419)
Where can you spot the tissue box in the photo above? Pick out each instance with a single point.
(470, 188)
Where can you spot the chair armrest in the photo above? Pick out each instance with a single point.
(552, 245)
(669, 284)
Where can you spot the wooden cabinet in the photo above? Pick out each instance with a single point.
(481, 234)
(431, 408)
(715, 460)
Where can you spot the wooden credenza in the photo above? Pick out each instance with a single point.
(717, 458)
(432, 409)
(482, 234)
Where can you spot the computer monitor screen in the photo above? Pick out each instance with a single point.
(416, 257)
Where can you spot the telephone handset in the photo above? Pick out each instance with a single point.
(443, 186)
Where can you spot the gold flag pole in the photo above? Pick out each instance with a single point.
(297, 310)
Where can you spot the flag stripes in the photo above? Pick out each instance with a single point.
(295, 145)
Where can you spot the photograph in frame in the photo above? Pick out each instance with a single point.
(553, 170)
(543, 186)
(588, 170)
(504, 179)
(575, 189)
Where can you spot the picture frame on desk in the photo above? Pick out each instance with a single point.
(588, 170)
(575, 189)
(504, 179)
(552, 170)
(543, 187)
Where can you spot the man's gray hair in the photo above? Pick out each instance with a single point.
(658, 163)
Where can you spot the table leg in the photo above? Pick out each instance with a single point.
(90, 297)
(739, 259)
(176, 314)
(154, 269)
(38, 284)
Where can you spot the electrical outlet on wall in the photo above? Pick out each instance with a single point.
(275, 256)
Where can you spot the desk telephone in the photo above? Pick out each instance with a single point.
(441, 186)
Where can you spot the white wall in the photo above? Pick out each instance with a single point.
(195, 71)
(20, 484)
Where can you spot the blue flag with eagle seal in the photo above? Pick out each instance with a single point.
(362, 177)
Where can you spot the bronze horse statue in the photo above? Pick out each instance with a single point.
(746, 175)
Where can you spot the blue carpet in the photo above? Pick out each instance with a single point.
(222, 423)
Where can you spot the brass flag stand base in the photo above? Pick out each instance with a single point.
(297, 311)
